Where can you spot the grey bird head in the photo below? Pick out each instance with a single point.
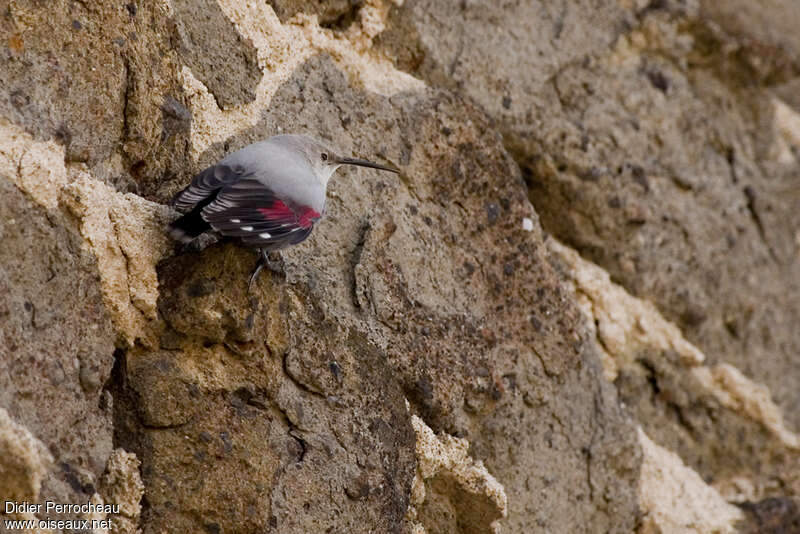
(322, 158)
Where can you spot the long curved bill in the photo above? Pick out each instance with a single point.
(365, 163)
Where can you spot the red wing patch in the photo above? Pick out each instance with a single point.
(250, 211)
(308, 216)
(277, 211)
(280, 211)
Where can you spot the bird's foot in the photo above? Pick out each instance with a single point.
(264, 260)
(182, 247)
(274, 262)
(259, 266)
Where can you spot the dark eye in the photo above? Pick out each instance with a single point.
(324, 157)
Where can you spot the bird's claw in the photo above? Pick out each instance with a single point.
(263, 260)
(253, 276)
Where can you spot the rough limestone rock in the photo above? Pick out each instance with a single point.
(25, 461)
(574, 310)
(645, 136)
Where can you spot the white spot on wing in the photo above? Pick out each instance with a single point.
(236, 220)
(264, 235)
(247, 228)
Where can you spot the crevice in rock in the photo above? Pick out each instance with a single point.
(164, 427)
(587, 454)
(750, 195)
(293, 433)
(300, 441)
(355, 260)
(127, 421)
(651, 375)
(730, 157)
(343, 20)
(123, 402)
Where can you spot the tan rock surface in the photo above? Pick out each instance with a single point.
(25, 461)
(448, 481)
(675, 499)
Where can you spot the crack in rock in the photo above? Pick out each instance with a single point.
(625, 325)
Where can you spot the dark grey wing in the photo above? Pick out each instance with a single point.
(205, 186)
(251, 211)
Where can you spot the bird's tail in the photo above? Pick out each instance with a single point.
(188, 227)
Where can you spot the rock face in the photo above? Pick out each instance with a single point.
(574, 309)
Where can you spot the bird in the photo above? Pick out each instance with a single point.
(266, 196)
